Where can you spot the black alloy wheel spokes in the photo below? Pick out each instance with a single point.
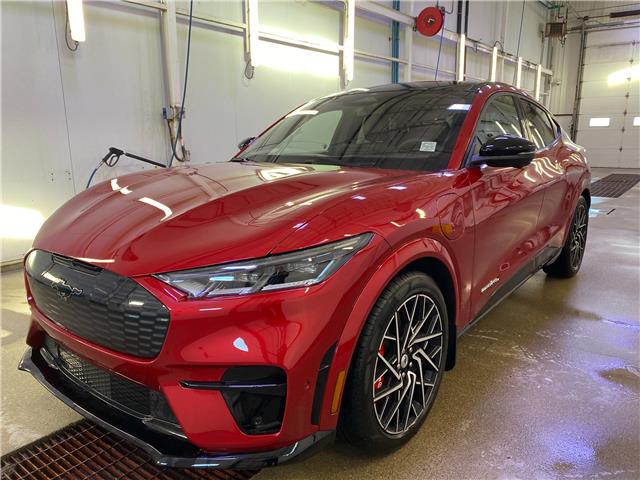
(408, 363)
(579, 237)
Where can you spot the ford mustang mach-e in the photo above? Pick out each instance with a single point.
(235, 314)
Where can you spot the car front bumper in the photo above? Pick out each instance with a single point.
(165, 449)
(296, 333)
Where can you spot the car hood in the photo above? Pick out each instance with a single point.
(185, 217)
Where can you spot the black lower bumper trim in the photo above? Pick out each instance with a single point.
(164, 449)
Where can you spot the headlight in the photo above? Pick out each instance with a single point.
(296, 269)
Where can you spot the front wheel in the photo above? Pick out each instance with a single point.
(397, 366)
(570, 259)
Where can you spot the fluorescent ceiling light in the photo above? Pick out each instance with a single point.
(519, 72)
(302, 112)
(76, 20)
(159, 205)
(636, 121)
(494, 64)
(459, 106)
(461, 50)
(500, 127)
(599, 122)
(538, 81)
(254, 33)
(349, 40)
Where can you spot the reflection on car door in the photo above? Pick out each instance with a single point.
(549, 163)
(506, 202)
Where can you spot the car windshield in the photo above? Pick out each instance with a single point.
(411, 129)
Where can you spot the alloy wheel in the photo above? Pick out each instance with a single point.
(579, 237)
(408, 363)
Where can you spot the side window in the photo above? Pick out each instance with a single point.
(500, 117)
(555, 126)
(541, 131)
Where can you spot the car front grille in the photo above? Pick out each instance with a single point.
(98, 305)
(130, 397)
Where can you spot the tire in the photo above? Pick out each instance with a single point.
(411, 295)
(568, 263)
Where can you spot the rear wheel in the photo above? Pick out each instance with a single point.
(397, 366)
(570, 259)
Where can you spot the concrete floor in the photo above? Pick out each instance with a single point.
(546, 386)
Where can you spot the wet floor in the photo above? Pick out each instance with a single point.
(546, 386)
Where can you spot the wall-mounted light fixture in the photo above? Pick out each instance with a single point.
(253, 33)
(519, 72)
(349, 40)
(538, 81)
(461, 51)
(494, 64)
(76, 20)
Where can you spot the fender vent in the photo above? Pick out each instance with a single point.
(321, 384)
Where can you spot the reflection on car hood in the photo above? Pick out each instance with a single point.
(184, 217)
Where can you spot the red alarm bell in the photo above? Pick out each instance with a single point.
(430, 21)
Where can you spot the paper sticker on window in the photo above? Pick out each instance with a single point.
(428, 146)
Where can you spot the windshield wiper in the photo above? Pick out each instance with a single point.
(337, 163)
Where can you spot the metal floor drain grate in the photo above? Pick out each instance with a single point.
(614, 185)
(85, 451)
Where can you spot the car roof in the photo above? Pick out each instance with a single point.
(462, 89)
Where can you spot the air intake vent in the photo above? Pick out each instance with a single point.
(256, 397)
(128, 396)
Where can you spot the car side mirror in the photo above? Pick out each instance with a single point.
(246, 142)
(505, 151)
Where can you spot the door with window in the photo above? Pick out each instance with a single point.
(549, 164)
(506, 206)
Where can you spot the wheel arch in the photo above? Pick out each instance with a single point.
(439, 272)
(586, 193)
(425, 254)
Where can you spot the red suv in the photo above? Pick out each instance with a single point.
(235, 314)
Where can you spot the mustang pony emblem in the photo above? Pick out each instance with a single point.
(65, 290)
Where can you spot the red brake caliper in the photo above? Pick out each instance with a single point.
(378, 383)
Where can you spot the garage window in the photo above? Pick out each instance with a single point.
(599, 121)
(636, 121)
